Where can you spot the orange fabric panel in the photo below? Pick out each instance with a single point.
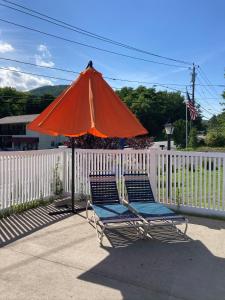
(89, 105)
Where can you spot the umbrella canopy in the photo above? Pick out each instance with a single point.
(88, 105)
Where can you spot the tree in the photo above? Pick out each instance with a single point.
(179, 134)
(193, 139)
(11, 102)
(215, 139)
(154, 108)
(216, 131)
(35, 105)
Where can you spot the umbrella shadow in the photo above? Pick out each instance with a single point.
(165, 266)
(18, 226)
(124, 237)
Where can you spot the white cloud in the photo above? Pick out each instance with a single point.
(5, 47)
(43, 48)
(44, 57)
(40, 61)
(20, 81)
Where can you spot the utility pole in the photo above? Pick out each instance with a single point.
(193, 77)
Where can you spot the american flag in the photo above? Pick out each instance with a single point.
(191, 106)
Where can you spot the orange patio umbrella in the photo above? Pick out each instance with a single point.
(88, 105)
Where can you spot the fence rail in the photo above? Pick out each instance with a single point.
(183, 180)
(27, 176)
(192, 179)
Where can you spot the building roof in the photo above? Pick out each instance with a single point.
(18, 119)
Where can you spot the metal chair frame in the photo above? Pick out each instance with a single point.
(154, 221)
(101, 226)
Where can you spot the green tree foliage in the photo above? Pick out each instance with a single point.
(215, 139)
(13, 102)
(216, 131)
(179, 134)
(35, 105)
(193, 139)
(217, 123)
(154, 108)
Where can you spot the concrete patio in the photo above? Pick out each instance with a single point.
(63, 260)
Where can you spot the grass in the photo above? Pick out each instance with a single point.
(204, 149)
(198, 187)
(20, 208)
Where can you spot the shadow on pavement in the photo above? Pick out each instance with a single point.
(18, 226)
(169, 266)
(208, 222)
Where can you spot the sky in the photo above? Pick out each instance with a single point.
(191, 31)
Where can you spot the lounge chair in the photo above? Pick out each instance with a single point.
(142, 202)
(107, 209)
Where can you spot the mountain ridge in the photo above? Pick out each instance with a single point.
(53, 90)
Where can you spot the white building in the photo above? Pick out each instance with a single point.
(14, 135)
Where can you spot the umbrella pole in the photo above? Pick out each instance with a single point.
(73, 210)
(73, 185)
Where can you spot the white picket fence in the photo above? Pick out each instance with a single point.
(196, 181)
(28, 175)
(190, 181)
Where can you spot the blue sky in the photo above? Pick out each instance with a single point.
(187, 30)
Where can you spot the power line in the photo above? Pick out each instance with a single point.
(46, 100)
(16, 99)
(208, 89)
(213, 85)
(34, 74)
(76, 72)
(202, 92)
(69, 80)
(79, 43)
(204, 76)
(211, 107)
(37, 65)
(84, 32)
(209, 112)
(216, 98)
(92, 35)
(106, 77)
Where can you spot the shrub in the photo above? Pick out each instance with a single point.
(193, 139)
(214, 139)
(179, 134)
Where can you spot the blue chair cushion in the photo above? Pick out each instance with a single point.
(113, 212)
(151, 209)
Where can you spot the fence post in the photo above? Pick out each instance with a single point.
(64, 170)
(153, 171)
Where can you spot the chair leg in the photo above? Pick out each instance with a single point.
(87, 206)
(145, 231)
(186, 226)
(100, 232)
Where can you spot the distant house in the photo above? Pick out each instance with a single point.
(15, 136)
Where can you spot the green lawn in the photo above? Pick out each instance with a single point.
(199, 188)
